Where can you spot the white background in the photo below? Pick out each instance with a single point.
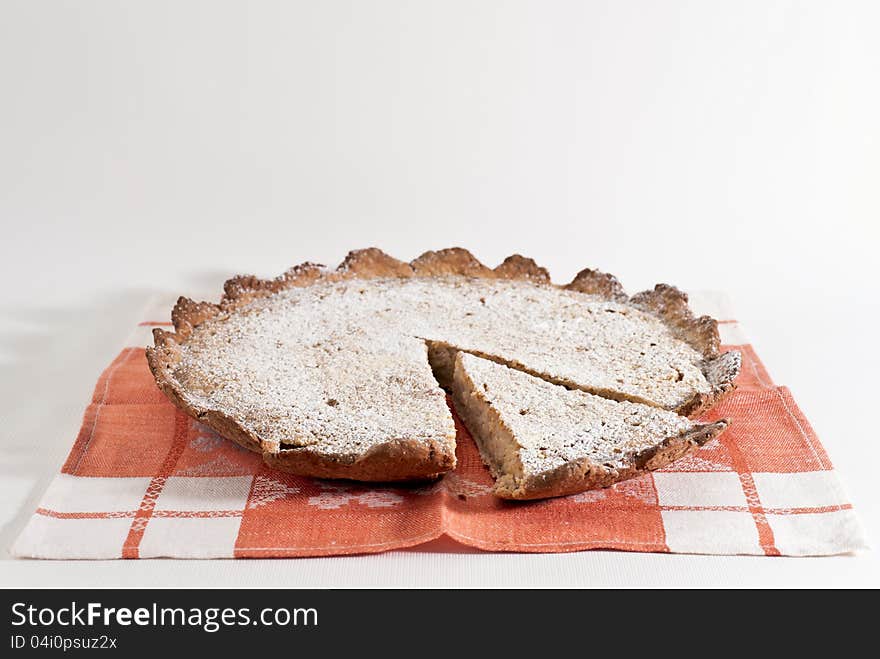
(167, 145)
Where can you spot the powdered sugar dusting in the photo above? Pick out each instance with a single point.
(554, 426)
(343, 363)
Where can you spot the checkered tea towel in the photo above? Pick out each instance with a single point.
(144, 480)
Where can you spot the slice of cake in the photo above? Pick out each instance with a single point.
(540, 439)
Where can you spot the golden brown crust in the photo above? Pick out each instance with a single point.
(187, 313)
(407, 459)
(581, 475)
(400, 460)
(516, 266)
(450, 261)
(373, 262)
(240, 290)
(593, 282)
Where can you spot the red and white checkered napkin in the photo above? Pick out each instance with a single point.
(144, 480)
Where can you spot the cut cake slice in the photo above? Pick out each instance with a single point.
(541, 440)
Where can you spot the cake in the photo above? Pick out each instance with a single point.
(343, 373)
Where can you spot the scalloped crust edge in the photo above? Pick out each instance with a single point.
(415, 459)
